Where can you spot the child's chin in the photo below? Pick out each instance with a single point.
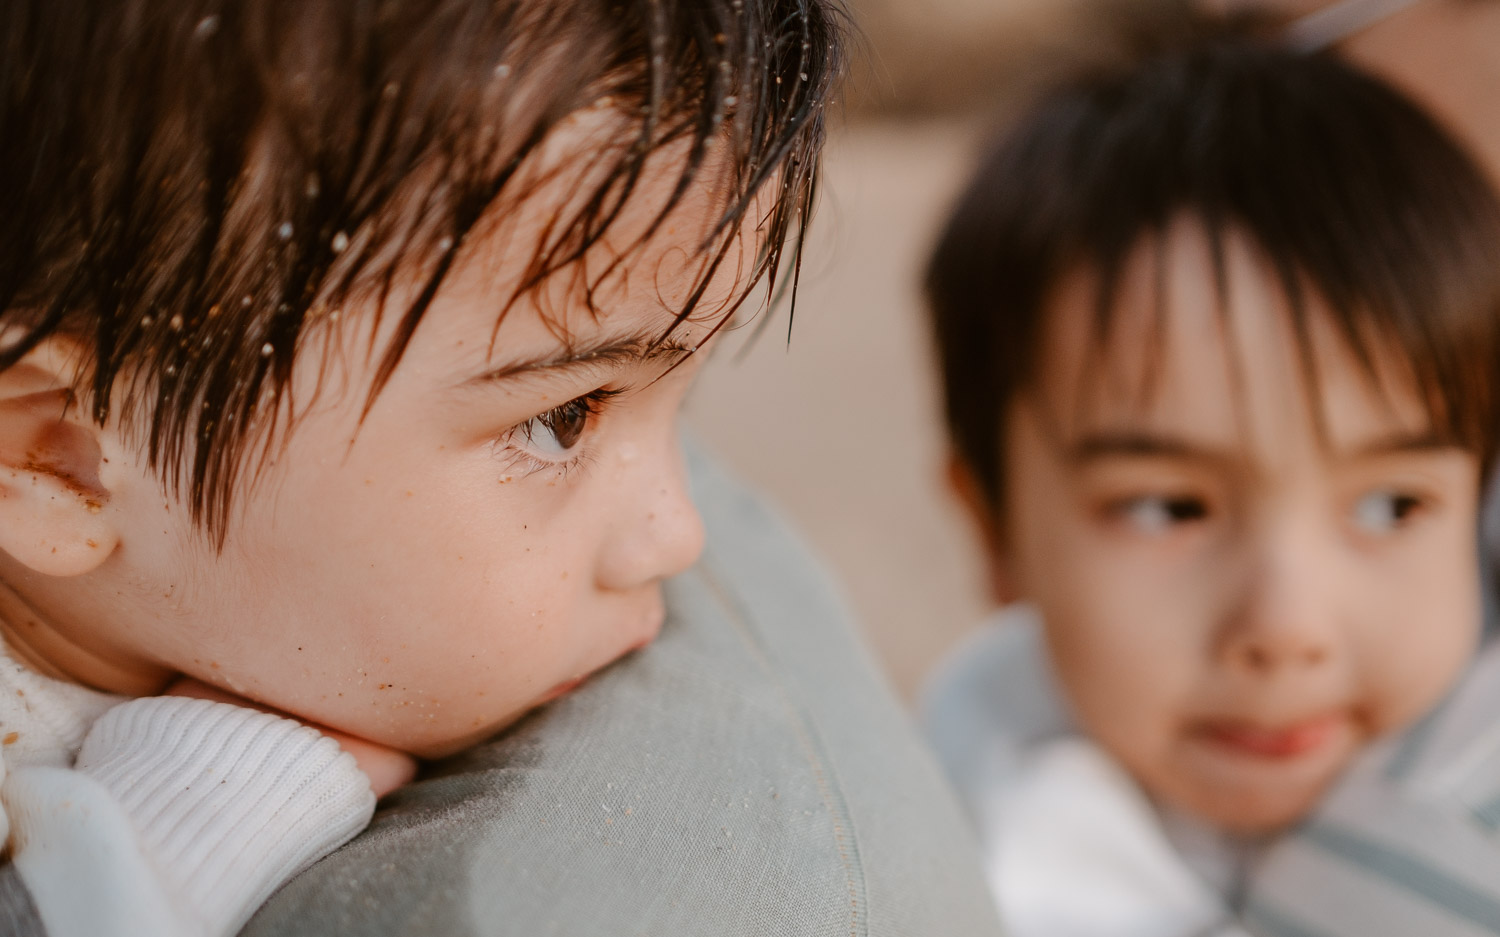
(1256, 801)
(1250, 808)
(1270, 815)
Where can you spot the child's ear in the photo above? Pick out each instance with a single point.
(970, 494)
(53, 503)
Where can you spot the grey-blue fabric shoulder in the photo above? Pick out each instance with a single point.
(748, 775)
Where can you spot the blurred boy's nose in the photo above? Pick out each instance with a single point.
(1267, 651)
(1284, 617)
(659, 532)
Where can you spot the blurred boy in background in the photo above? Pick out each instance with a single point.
(1220, 331)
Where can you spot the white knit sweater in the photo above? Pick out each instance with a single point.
(162, 815)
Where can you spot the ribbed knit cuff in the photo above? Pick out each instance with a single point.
(229, 802)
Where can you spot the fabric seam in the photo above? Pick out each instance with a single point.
(813, 750)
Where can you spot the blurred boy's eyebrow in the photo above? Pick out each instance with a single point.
(609, 349)
(1094, 446)
(1396, 443)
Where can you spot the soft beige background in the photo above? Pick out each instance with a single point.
(840, 427)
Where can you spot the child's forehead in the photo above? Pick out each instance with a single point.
(521, 278)
(1201, 338)
(677, 198)
(663, 247)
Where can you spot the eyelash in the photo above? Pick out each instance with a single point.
(520, 456)
(1182, 509)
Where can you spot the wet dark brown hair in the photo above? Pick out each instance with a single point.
(189, 183)
(1348, 191)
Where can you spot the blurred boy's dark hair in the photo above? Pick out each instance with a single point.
(1349, 192)
(189, 184)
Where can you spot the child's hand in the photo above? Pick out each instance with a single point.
(386, 768)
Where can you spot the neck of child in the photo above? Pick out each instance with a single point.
(32, 640)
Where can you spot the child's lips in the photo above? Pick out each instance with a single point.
(1285, 741)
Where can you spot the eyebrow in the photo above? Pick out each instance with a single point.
(609, 350)
(1093, 447)
(1397, 443)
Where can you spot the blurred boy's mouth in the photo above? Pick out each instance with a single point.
(1283, 742)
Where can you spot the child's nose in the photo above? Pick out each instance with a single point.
(1267, 652)
(1285, 617)
(659, 532)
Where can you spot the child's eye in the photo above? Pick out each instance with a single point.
(557, 431)
(1157, 514)
(1381, 512)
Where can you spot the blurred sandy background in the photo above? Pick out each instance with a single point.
(841, 428)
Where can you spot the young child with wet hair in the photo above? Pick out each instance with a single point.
(1220, 335)
(341, 347)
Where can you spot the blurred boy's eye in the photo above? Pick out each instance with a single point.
(1381, 512)
(1156, 514)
